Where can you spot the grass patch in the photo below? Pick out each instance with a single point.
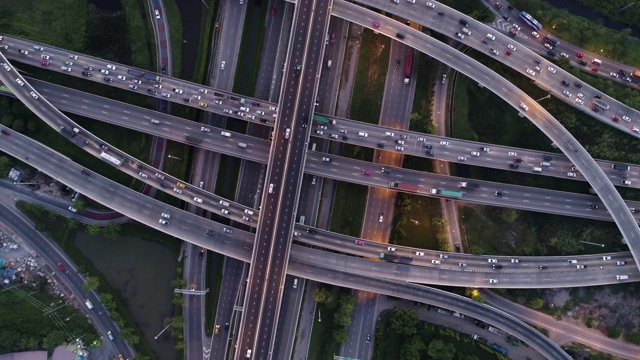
(348, 209)
(250, 54)
(413, 225)
(208, 30)
(172, 14)
(371, 73)
(212, 297)
(321, 345)
(141, 37)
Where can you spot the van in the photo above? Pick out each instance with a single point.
(621, 167)
(545, 163)
(242, 145)
(464, 22)
(287, 132)
(225, 133)
(537, 61)
(536, 169)
(76, 130)
(328, 64)
(295, 283)
(302, 219)
(89, 304)
(596, 62)
(622, 277)
(363, 134)
(110, 335)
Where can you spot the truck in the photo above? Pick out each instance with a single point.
(75, 138)
(479, 338)
(636, 73)
(66, 132)
(152, 77)
(193, 139)
(403, 186)
(499, 349)
(136, 73)
(408, 67)
(601, 104)
(443, 192)
(323, 119)
(622, 277)
(621, 167)
(396, 258)
(551, 40)
(469, 185)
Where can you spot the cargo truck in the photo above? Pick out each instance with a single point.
(455, 194)
(152, 77)
(136, 73)
(403, 186)
(396, 258)
(601, 104)
(551, 40)
(193, 139)
(621, 167)
(479, 338)
(469, 185)
(408, 67)
(75, 138)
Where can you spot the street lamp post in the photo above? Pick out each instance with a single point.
(173, 157)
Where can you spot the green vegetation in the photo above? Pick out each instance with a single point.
(212, 296)
(62, 230)
(400, 335)
(476, 9)
(321, 344)
(617, 45)
(579, 351)
(251, 51)
(142, 55)
(35, 320)
(348, 209)
(418, 222)
(371, 74)
(174, 23)
(208, 29)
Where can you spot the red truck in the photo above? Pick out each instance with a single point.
(403, 186)
(408, 67)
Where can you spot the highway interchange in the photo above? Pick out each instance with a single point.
(579, 164)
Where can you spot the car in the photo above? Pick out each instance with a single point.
(517, 160)
(217, 329)
(34, 95)
(494, 51)
(167, 95)
(224, 211)
(531, 72)
(5, 132)
(197, 199)
(511, 47)
(593, 206)
(507, 52)
(515, 261)
(524, 107)
(582, 62)
(366, 172)
(24, 52)
(111, 67)
(580, 101)
(445, 143)
(493, 281)
(564, 55)
(165, 215)
(457, 245)
(19, 82)
(595, 69)
(511, 153)
(163, 222)
(67, 62)
(475, 153)
(571, 174)
(65, 68)
(431, 5)
(143, 175)
(109, 80)
(580, 55)
(462, 264)
(566, 93)
(368, 338)
(626, 118)
(359, 242)
(620, 263)
(548, 46)
(498, 193)
(496, 267)
(581, 95)
(47, 57)
(506, 17)
(43, 63)
(202, 104)
(443, 256)
(614, 75)
(578, 85)
(551, 53)
(392, 249)
(492, 260)
(516, 26)
(597, 96)
(462, 158)
(157, 12)
(581, 266)
(625, 182)
(615, 118)
(635, 129)
(222, 65)
(106, 72)
(460, 35)
(61, 267)
(595, 109)
(551, 69)
(176, 190)
(399, 148)
(606, 258)
(375, 25)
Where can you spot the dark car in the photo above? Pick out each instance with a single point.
(84, 171)
(593, 206)
(551, 53)
(139, 166)
(86, 73)
(208, 232)
(595, 109)
(582, 62)
(5, 132)
(427, 146)
(256, 104)
(226, 326)
(108, 79)
(514, 166)
(565, 83)
(381, 145)
(345, 137)
(201, 254)
(430, 153)
(578, 85)
(397, 63)
(543, 267)
(497, 267)
(498, 193)
(457, 247)
(506, 17)
(597, 96)
(311, 231)
(152, 91)
(517, 160)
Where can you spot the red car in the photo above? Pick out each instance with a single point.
(615, 118)
(5, 132)
(580, 55)
(61, 267)
(359, 242)
(508, 53)
(376, 25)
(366, 172)
(273, 11)
(44, 63)
(594, 69)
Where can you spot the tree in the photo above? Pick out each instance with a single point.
(509, 215)
(91, 283)
(5, 166)
(412, 348)
(94, 229)
(18, 125)
(340, 335)
(322, 295)
(112, 230)
(32, 125)
(614, 332)
(80, 204)
(73, 223)
(439, 350)
(107, 301)
(404, 321)
(536, 303)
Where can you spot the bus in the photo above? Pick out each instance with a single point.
(110, 159)
(321, 119)
(531, 21)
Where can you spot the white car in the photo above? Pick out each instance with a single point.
(515, 261)
(401, 148)
(224, 211)
(460, 35)
(443, 256)
(524, 107)
(445, 143)
(46, 57)
(551, 69)
(612, 74)
(198, 200)
(435, 262)
(634, 129)
(517, 27)
(121, 77)
(72, 209)
(581, 96)
(567, 93)
(606, 258)
(564, 55)
(176, 190)
(475, 153)
(511, 47)
(626, 118)
(6, 66)
(139, 82)
(157, 14)
(19, 82)
(179, 91)
(492, 260)
(143, 175)
(64, 68)
(431, 5)
(511, 153)
(222, 65)
(167, 95)
(571, 174)
(494, 51)
(493, 281)
(531, 72)
(34, 95)
(391, 248)
(112, 67)
(165, 215)
(163, 222)
(462, 158)
(419, 253)
(106, 72)
(491, 37)
(535, 34)
(580, 101)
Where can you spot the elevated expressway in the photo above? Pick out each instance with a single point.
(145, 210)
